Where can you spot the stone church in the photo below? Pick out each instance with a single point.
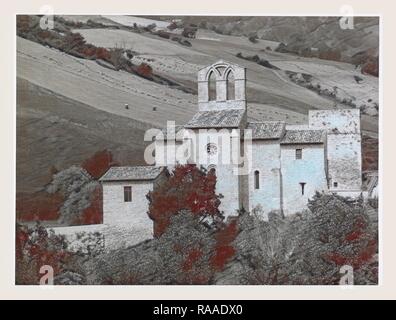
(286, 164)
(283, 165)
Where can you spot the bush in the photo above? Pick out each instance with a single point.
(163, 34)
(190, 31)
(145, 71)
(172, 26)
(371, 67)
(253, 39)
(185, 42)
(36, 247)
(258, 60)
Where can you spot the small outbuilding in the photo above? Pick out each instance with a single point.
(124, 195)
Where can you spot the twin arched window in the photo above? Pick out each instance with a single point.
(230, 86)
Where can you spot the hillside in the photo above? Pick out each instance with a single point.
(301, 33)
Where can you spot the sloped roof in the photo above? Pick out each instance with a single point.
(132, 173)
(267, 130)
(216, 119)
(303, 136)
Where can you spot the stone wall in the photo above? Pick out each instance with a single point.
(116, 212)
(309, 170)
(344, 149)
(344, 162)
(119, 237)
(335, 121)
(93, 239)
(266, 160)
(228, 183)
(84, 239)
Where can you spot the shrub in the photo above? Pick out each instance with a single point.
(145, 70)
(371, 67)
(36, 247)
(189, 32)
(102, 53)
(309, 248)
(253, 39)
(185, 42)
(163, 34)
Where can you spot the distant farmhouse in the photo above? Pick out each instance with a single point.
(286, 164)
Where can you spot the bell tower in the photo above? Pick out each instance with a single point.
(222, 86)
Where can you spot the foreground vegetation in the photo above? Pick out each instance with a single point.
(195, 245)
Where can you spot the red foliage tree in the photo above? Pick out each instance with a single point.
(188, 187)
(38, 206)
(99, 163)
(339, 232)
(94, 213)
(224, 250)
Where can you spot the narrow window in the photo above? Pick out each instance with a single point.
(302, 184)
(335, 184)
(127, 194)
(256, 179)
(212, 86)
(298, 154)
(230, 86)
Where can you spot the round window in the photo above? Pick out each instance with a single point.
(211, 148)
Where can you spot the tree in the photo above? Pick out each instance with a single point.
(311, 247)
(187, 187)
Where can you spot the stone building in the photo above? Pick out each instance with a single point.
(287, 164)
(270, 164)
(124, 194)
